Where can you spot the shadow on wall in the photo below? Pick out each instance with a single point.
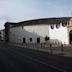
(33, 37)
(45, 39)
(25, 36)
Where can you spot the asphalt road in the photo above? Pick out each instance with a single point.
(16, 59)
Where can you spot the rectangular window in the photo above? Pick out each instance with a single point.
(38, 40)
(24, 40)
(30, 39)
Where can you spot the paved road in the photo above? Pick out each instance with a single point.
(16, 59)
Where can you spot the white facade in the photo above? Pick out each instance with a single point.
(60, 34)
(17, 34)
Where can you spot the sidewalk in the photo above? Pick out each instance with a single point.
(65, 51)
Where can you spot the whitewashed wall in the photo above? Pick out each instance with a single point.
(60, 34)
(18, 33)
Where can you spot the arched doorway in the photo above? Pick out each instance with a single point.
(70, 36)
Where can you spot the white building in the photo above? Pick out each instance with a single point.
(54, 30)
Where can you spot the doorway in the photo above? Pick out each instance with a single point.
(70, 37)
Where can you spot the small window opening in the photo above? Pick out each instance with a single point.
(30, 39)
(47, 38)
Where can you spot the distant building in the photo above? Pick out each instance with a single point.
(2, 36)
(54, 30)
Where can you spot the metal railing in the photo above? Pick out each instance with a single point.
(50, 48)
(60, 49)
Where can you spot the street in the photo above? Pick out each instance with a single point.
(17, 59)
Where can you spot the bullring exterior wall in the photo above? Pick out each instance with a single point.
(58, 30)
(18, 33)
(59, 35)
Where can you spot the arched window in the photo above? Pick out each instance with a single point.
(52, 26)
(64, 24)
(57, 26)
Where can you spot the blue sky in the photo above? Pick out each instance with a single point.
(20, 10)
